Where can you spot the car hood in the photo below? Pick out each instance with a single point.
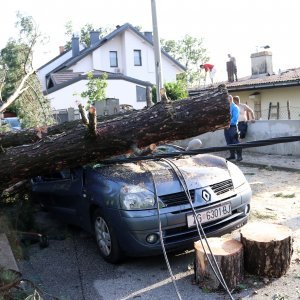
(198, 171)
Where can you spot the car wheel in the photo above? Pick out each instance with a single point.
(106, 239)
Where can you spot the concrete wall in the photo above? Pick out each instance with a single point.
(260, 130)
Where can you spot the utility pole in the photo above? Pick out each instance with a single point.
(157, 52)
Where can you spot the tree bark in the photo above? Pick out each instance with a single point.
(268, 249)
(32, 135)
(75, 146)
(228, 254)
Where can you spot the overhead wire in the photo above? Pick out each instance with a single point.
(217, 273)
(251, 144)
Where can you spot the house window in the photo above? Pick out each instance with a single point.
(137, 57)
(140, 94)
(113, 57)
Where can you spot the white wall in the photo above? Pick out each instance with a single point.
(51, 66)
(101, 55)
(260, 130)
(84, 65)
(123, 90)
(146, 71)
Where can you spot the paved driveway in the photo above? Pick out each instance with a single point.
(73, 269)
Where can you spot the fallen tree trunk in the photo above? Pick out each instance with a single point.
(160, 123)
(32, 135)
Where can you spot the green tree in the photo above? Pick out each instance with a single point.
(190, 52)
(20, 86)
(84, 35)
(175, 90)
(95, 89)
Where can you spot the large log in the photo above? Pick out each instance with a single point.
(32, 135)
(162, 122)
(228, 254)
(268, 249)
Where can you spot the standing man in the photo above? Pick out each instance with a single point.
(232, 69)
(231, 132)
(211, 69)
(245, 111)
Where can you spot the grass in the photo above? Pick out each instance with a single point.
(7, 276)
(255, 214)
(285, 195)
(280, 297)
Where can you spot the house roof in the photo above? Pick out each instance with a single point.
(287, 78)
(290, 77)
(107, 38)
(65, 78)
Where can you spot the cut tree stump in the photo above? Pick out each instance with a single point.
(268, 249)
(228, 254)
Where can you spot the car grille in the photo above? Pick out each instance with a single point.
(222, 187)
(181, 198)
(177, 198)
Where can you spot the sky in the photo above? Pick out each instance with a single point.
(236, 27)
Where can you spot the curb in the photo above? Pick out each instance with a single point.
(7, 259)
(269, 166)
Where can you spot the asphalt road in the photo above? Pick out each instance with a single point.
(73, 269)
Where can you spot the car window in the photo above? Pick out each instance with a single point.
(62, 175)
(168, 148)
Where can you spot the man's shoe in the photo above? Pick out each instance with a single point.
(239, 158)
(230, 158)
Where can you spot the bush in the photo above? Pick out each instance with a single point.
(175, 91)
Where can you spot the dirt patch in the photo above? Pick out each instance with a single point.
(276, 199)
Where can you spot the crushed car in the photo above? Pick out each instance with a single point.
(120, 202)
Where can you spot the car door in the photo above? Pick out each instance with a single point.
(61, 193)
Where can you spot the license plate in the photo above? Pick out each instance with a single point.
(210, 214)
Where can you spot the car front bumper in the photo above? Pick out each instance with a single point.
(137, 225)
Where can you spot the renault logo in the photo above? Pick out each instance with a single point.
(206, 195)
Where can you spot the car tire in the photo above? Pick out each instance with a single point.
(106, 238)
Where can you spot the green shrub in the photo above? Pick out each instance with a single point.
(175, 90)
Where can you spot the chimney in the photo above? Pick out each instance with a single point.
(148, 35)
(61, 49)
(75, 46)
(261, 63)
(94, 37)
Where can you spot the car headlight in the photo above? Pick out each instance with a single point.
(135, 197)
(237, 175)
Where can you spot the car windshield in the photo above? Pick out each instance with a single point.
(168, 148)
(161, 149)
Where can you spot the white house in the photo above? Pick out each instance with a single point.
(126, 55)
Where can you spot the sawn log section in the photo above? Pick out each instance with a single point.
(162, 122)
